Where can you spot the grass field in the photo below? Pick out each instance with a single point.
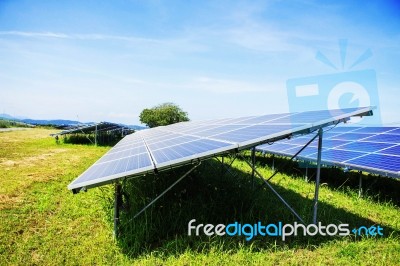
(43, 223)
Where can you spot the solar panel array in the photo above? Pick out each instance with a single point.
(161, 147)
(90, 128)
(371, 149)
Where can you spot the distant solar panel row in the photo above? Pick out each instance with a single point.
(89, 128)
(157, 148)
(371, 149)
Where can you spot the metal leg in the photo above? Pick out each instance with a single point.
(317, 179)
(291, 158)
(275, 192)
(360, 184)
(117, 204)
(253, 162)
(222, 167)
(165, 191)
(227, 167)
(306, 177)
(273, 162)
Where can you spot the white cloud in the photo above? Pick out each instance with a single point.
(35, 34)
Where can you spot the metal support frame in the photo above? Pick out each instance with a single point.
(253, 162)
(84, 134)
(360, 190)
(118, 195)
(166, 190)
(317, 179)
(273, 162)
(117, 204)
(306, 174)
(95, 136)
(294, 156)
(222, 167)
(266, 181)
(275, 192)
(227, 167)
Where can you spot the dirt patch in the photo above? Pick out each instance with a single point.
(7, 163)
(31, 160)
(44, 156)
(8, 201)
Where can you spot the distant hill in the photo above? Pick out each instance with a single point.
(7, 117)
(55, 122)
(136, 127)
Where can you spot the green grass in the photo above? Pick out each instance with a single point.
(43, 223)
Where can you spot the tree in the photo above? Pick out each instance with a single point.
(162, 115)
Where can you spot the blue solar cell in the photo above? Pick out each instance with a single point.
(375, 130)
(122, 154)
(378, 161)
(395, 131)
(261, 119)
(277, 147)
(338, 129)
(385, 138)
(312, 117)
(217, 130)
(329, 135)
(100, 170)
(199, 128)
(171, 142)
(157, 135)
(170, 138)
(251, 132)
(328, 143)
(395, 150)
(365, 146)
(139, 161)
(352, 136)
(340, 155)
(187, 149)
(232, 121)
(126, 146)
(288, 148)
(299, 140)
(308, 151)
(128, 140)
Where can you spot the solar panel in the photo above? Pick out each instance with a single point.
(371, 149)
(378, 161)
(366, 146)
(394, 150)
(350, 136)
(374, 130)
(163, 147)
(344, 129)
(89, 128)
(385, 138)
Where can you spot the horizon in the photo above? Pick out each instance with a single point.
(107, 61)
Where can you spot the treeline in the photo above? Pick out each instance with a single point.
(8, 123)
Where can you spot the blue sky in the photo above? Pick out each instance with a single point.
(108, 60)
